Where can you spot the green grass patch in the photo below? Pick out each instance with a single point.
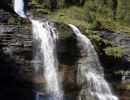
(73, 15)
(115, 52)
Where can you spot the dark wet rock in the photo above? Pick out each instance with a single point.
(117, 69)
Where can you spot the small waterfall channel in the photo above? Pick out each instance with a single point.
(19, 8)
(91, 72)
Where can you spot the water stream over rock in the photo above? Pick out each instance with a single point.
(91, 73)
(19, 8)
(47, 35)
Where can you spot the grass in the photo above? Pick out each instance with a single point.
(110, 24)
(73, 15)
(77, 16)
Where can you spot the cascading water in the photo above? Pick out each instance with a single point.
(48, 35)
(19, 8)
(92, 72)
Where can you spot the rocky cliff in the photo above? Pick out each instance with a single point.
(18, 78)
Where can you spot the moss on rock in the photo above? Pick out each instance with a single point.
(115, 52)
(64, 30)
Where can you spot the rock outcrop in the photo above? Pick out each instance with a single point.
(18, 78)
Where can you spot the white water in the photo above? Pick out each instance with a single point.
(92, 72)
(19, 8)
(47, 35)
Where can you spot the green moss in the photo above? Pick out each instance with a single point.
(43, 11)
(128, 86)
(96, 25)
(64, 30)
(115, 52)
(63, 66)
(98, 39)
(99, 42)
(38, 1)
(15, 21)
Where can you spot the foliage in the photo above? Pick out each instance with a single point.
(128, 87)
(46, 3)
(15, 21)
(64, 30)
(96, 25)
(63, 66)
(115, 52)
(38, 1)
(112, 14)
(73, 15)
(117, 10)
(43, 11)
(59, 3)
(99, 42)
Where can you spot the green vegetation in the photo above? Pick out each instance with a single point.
(99, 42)
(43, 11)
(115, 52)
(15, 21)
(64, 30)
(128, 86)
(123, 11)
(37, 1)
(63, 66)
(59, 3)
(89, 15)
(113, 14)
(110, 14)
(73, 15)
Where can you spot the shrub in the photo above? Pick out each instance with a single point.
(96, 25)
(115, 52)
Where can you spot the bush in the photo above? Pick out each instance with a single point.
(123, 11)
(64, 30)
(115, 52)
(96, 25)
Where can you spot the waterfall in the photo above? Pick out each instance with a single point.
(47, 35)
(19, 8)
(91, 72)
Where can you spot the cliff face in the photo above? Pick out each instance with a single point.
(117, 70)
(18, 78)
(16, 71)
